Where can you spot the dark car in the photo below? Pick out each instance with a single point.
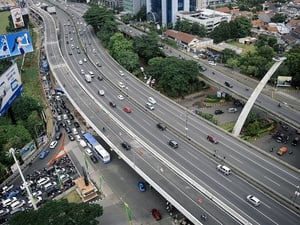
(141, 186)
(126, 145)
(156, 214)
(112, 104)
(68, 130)
(212, 139)
(57, 128)
(173, 144)
(58, 135)
(71, 117)
(76, 124)
(161, 126)
(98, 64)
(94, 159)
(228, 84)
(71, 137)
(218, 112)
(295, 141)
(100, 78)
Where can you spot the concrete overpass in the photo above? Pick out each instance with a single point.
(248, 106)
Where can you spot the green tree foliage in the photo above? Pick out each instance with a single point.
(60, 212)
(229, 54)
(278, 18)
(293, 63)
(15, 136)
(190, 28)
(221, 32)
(175, 77)
(240, 27)
(141, 14)
(24, 106)
(128, 59)
(146, 46)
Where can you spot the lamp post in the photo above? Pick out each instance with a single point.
(12, 152)
(186, 122)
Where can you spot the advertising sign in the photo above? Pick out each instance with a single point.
(10, 88)
(17, 17)
(14, 44)
(284, 81)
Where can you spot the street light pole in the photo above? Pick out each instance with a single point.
(12, 152)
(186, 121)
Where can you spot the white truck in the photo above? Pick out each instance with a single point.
(88, 78)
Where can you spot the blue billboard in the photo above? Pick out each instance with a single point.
(14, 44)
(10, 87)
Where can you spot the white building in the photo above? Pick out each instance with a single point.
(209, 18)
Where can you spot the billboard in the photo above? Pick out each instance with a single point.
(17, 17)
(14, 44)
(284, 81)
(10, 87)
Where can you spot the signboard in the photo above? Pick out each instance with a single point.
(17, 17)
(14, 44)
(10, 87)
(284, 81)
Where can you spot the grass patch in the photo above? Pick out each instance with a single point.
(4, 21)
(228, 126)
(73, 197)
(246, 48)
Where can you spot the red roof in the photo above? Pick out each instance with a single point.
(178, 35)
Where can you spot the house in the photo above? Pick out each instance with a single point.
(184, 40)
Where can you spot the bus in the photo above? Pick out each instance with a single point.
(97, 147)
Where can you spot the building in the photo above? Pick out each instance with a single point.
(133, 6)
(207, 17)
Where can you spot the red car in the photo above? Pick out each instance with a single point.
(212, 139)
(156, 214)
(127, 109)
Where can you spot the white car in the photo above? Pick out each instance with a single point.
(42, 181)
(88, 151)
(253, 200)
(29, 182)
(91, 73)
(121, 97)
(84, 60)
(122, 73)
(151, 100)
(80, 62)
(101, 92)
(82, 72)
(121, 84)
(37, 193)
(74, 131)
(53, 144)
(212, 63)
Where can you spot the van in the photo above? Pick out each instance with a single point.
(17, 204)
(49, 185)
(88, 78)
(228, 84)
(224, 169)
(8, 201)
(173, 144)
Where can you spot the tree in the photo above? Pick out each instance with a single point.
(221, 32)
(141, 14)
(128, 59)
(198, 29)
(278, 18)
(60, 212)
(240, 27)
(146, 46)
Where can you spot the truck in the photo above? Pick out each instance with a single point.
(88, 78)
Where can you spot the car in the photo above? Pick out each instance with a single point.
(218, 112)
(59, 170)
(20, 209)
(121, 97)
(77, 137)
(122, 73)
(8, 201)
(161, 126)
(37, 193)
(6, 189)
(4, 212)
(151, 100)
(100, 77)
(126, 145)
(156, 214)
(101, 92)
(98, 64)
(232, 110)
(74, 131)
(112, 104)
(68, 130)
(88, 151)
(92, 73)
(78, 52)
(149, 106)
(71, 117)
(121, 84)
(53, 144)
(224, 169)
(82, 72)
(212, 63)
(44, 154)
(42, 181)
(228, 84)
(68, 122)
(173, 144)
(94, 159)
(141, 186)
(282, 150)
(127, 109)
(29, 183)
(80, 62)
(70, 53)
(37, 200)
(212, 139)
(13, 193)
(58, 135)
(253, 200)
(71, 137)
(76, 124)
(295, 141)
(59, 117)
(84, 60)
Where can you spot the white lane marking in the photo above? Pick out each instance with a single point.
(271, 180)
